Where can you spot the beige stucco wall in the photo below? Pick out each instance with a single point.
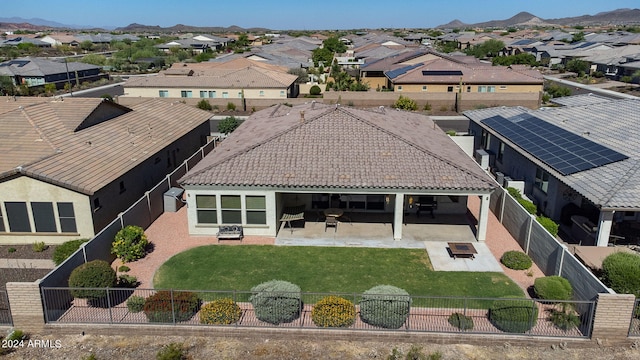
(509, 88)
(25, 189)
(269, 229)
(233, 93)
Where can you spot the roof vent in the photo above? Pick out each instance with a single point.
(302, 116)
(381, 108)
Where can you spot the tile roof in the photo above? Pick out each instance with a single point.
(578, 100)
(41, 67)
(329, 146)
(470, 74)
(613, 124)
(68, 144)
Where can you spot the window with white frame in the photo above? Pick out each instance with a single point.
(212, 94)
(282, 93)
(399, 88)
(491, 89)
(256, 209)
(231, 209)
(163, 93)
(500, 154)
(225, 95)
(424, 87)
(186, 93)
(203, 94)
(482, 89)
(261, 92)
(43, 217)
(542, 180)
(206, 209)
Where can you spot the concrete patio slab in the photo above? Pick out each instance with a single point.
(441, 260)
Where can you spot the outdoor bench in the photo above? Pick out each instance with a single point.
(232, 232)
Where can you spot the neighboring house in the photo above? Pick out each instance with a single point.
(581, 159)
(24, 40)
(379, 160)
(69, 167)
(74, 40)
(35, 72)
(239, 79)
(445, 75)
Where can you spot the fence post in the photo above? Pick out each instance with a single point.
(527, 240)
(109, 306)
(564, 249)
(503, 200)
(173, 309)
(146, 194)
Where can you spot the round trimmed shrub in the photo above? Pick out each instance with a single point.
(220, 312)
(385, 306)
(333, 311)
(315, 90)
(461, 321)
(621, 272)
(93, 274)
(276, 301)
(513, 316)
(130, 244)
(66, 249)
(135, 303)
(516, 260)
(158, 307)
(553, 288)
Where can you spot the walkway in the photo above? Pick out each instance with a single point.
(26, 264)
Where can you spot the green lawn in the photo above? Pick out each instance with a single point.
(324, 269)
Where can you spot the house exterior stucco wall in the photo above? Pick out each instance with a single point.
(28, 190)
(176, 92)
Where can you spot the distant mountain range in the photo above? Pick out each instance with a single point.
(525, 19)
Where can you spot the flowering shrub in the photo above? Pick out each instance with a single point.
(130, 244)
(333, 311)
(221, 311)
(276, 301)
(158, 307)
(385, 306)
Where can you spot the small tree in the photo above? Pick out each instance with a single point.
(405, 103)
(228, 124)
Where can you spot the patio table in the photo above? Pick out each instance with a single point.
(462, 250)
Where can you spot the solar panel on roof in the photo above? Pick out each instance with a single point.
(562, 150)
(442, 73)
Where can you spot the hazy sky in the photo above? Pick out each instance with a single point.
(298, 14)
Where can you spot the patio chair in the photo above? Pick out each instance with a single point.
(331, 221)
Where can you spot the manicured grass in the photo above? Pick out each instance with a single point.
(324, 269)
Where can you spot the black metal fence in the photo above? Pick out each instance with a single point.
(5, 311)
(634, 328)
(417, 314)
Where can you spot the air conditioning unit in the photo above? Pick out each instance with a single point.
(516, 184)
(484, 158)
(499, 178)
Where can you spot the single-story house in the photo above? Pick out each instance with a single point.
(237, 79)
(71, 165)
(578, 163)
(39, 71)
(307, 156)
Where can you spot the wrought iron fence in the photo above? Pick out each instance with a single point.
(313, 310)
(5, 311)
(634, 327)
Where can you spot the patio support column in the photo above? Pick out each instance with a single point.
(604, 227)
(398, 216)
(483, 218)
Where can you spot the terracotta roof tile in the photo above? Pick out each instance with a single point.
(337, 147)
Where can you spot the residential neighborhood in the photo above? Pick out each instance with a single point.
(429, 185)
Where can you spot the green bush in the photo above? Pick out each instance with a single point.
(565, 319)
(130, 243)
(135, 303)
(530, 207)
(124, 268)
(550, 225)
(276, 301)
(228, 125)
(461, 321)
(385, 306)
(621, 272)
(515, 193)
(516, 260)
(39, 246)
(127, 281)
(333, 311)
(66, 249)
(12, 250)
(315, 90)
(405, 103)
(220, 312)
(553, 288)
(231, 106)
(93, 274)
(159, 307)
(204, 105)
(172, 351)
(513, 316)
